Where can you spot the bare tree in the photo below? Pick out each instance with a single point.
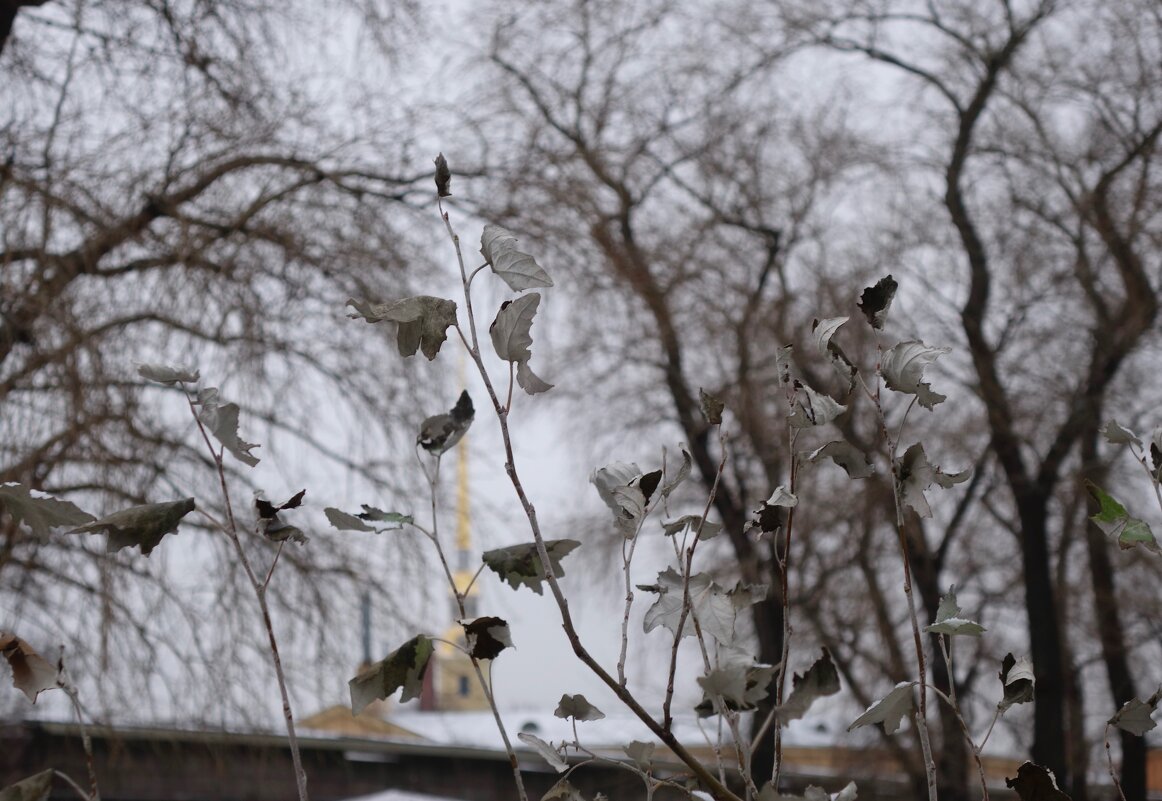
(171, 190)
(728, 204)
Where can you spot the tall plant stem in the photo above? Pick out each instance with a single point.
(716, 788)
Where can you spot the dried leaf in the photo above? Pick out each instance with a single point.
(32, 674)
(168, 375)
(517, 269)
(37, 787)
(520, 565)
(142, 526)
(1035, 783)
(578, 708)
(820, 680)
(889, 710)
(441, 432)
(1018, 681)
(403, 667)
(423, 321)
(486, 637)
(875, 301)
(443, 177)
(39, 512)
(551, 755)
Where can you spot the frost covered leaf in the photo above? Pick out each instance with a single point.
(1035, 783)
(853, 461)
(1134, 716)
(902, 367)
(820, 680)
(519, 270)
(32, 674)
(520, 565)
(165, 374)
(39, 512)
(889, 710)
(578, 708)
(563, 791)
(403, 667)
(915, 474)
(1119, 435)
(440, 432)
(641, 753)
(810, 408)
(222, 421)
(709, 603)
(143, 526)
(875, 301)
(620, 485)
(274, 528)
(1115, 521)
(443, 177)
(707, 530)
(512, 338)
(1017, 680)
(682, 474)
(782, 497)
(423, 321)
(551, 755)
(712, 407)
(949, 621)
(37, 787)
(741, 682)
(728, 682)
(822, 331)
(486, 637)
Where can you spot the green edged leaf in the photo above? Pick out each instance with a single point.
(403, 667)
(1115, 521)
(889, 710)
(165, 374)
(820, 681)
(520, 565)
(39, 512)
(517, 269)
(902, 367)
(576, 707)
(32, 674)
(141, 526)
(422, 321)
